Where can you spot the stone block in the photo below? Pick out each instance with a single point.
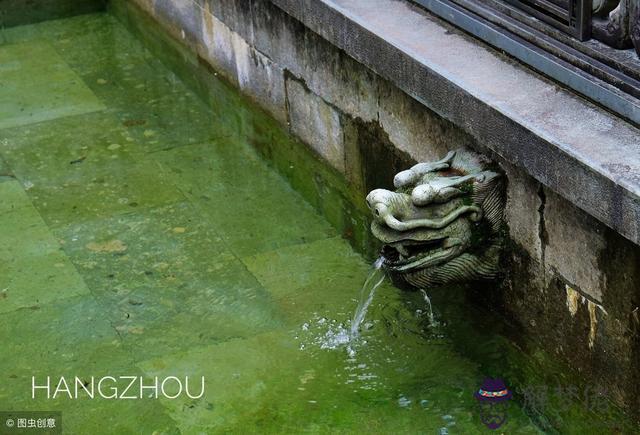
(255, 74)
(182, 18)
(339, 79)
(219, 45)
(235, 14)
(261, 80)
(415, 129)
(574, 243)
(328, 72)
(523, 211)
(316, 123)
(279, 36)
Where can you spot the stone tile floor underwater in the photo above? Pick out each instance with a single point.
(141, 235)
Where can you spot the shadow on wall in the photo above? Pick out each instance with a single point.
(19, 12)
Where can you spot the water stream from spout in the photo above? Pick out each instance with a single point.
(339, 335)
(427, 299)
(376, 277)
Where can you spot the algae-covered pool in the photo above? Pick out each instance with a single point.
(142, 236)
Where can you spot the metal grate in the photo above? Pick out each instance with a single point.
(570, 16)
(548, 35)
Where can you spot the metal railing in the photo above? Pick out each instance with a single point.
(570, 16)
(553, 37)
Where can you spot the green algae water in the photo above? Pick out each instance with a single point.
(141, 234)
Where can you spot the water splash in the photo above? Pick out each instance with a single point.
(335, 337)
(331, 334)
(375, 278)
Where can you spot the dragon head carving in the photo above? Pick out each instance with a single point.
(444, 222)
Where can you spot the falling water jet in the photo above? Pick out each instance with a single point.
(376, 277)
(427, 299)
(338, 335)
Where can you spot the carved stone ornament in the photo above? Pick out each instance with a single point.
(617, 23)
(444, 223)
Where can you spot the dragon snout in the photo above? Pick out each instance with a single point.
(378, 197)
(381, 202)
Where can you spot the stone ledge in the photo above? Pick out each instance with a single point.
(579, 150)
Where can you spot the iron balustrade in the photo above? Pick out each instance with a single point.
(587, 45)
(571, 16)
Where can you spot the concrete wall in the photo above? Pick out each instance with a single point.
(572, 285)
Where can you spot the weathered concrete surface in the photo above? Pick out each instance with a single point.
(524, 211)
(316, 123)
(264, 80)
(416, 130)
(572, 284)
(237, 15)
(570, 231)
(220, 45)
(184, 15)
(338, 79)
(253, 72)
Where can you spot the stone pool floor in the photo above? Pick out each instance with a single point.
(141, 235)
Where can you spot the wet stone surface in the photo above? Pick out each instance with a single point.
(38, 86)
(141, 235)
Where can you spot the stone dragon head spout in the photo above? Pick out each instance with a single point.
(444, 222)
